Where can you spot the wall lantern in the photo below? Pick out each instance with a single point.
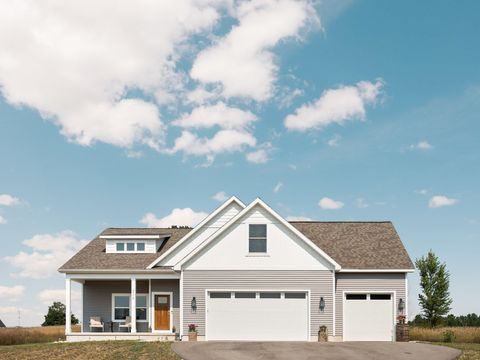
(193, 304)
(322, 304)
(401, 305)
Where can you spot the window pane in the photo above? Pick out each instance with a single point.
(257, 246)
(295, 295)
(141, 301)
(220, 295)
(142, 314)
(379, 296)
(121, 314)
(258, 230)
(122, 301)
(356, 296)
(141, 246)
(244, 295)
(130, 246)
(120, 246)
(269, 295)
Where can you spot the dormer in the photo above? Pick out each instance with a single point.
(133, 244)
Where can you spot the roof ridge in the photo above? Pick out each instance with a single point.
(342, 221)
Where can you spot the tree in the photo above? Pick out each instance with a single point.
(56, 315)
(434, 281)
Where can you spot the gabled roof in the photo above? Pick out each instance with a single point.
(256, 202)
(227, 203)
(2, 325)
(93, 256)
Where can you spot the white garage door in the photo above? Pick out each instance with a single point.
(257, 316)
(368, 317)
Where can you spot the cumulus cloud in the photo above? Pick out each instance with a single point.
(81, 64)
(333, 142)
(336, 106)
(326, 203)
(2, 220)
(440, 201)
(421, 145)
(242, 61)
(49, 296)
(277, 187)
(298, 218)
(259, 156)
(49, 251)
(178, 217)
(12, 293)
(8, 200)
(220, 196)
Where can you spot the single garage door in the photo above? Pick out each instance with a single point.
(257, 315)
(368, 317)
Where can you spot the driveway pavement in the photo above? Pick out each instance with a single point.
(312, 351)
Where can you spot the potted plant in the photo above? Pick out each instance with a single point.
(192, 332)
(323, 334)
(401, 319)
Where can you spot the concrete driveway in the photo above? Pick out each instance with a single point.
(311, 351)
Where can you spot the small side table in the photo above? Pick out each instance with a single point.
(109, 325)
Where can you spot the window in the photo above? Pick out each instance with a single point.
(269, 295)
(379, 296)
(257, 240)
(220, 295)
(121, 307)
(295, 295)
(356, 296)
(244, 295)
(130, 246)
(120, 246)
(140, 246)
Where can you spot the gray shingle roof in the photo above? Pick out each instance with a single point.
(354, 245)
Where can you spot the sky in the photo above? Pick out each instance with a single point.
(153, 113)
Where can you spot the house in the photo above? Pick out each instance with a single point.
(2, 325)
(243, 273)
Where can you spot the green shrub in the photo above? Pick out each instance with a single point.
(448, 336)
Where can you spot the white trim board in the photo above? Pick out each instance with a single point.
(133, 237)
(236, 218)
(377, 270)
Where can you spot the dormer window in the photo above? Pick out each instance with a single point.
(130, 246)
(134, 243)
(257, 239)
(120, 246)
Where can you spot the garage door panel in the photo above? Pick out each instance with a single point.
(257, 319)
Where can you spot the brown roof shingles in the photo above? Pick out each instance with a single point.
(354, 245)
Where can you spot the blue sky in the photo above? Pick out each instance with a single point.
(351, 110)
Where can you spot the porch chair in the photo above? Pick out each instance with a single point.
(96, 323)
(127, 325)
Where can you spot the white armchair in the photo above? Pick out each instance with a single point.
(96, 323)
(127, 325)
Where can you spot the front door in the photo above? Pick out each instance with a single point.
(162, 312)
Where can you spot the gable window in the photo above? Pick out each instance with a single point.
(141, 246)
(257, 239)
(120, 246)
(130, 246)
(121, 307)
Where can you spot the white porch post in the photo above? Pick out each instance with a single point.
(150, 327)
(68, 307)
(133, 304)
(81, 297)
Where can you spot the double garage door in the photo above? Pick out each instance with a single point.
(368, 317)
(257, 315)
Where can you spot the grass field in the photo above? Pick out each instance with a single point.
(450, 334)
(100, 350)
(15, 336)
(469, 351)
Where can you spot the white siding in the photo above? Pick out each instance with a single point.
(285, 250)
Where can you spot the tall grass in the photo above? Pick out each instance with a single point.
(15, 336)
(446, 334)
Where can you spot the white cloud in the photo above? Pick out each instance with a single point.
(333, 142)
(216, 115)
(330, 204)
(133, 154)
(49, 296)
(12, 293)
(277, 187)
(298, 218)
(179, 217)
(49, 251)
(361, 203)
(80, 64)
(8, 200)
(220, 196)
(2, 220)
(421, 191)
(242, 61)
(440, 201)
(258, 157)
(422, 145)
(336, 106)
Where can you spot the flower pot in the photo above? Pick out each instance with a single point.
(323, 334)
(192, 336)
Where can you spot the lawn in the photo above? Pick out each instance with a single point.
(91, 350)
(469, 351)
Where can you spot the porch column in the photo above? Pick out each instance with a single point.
(68, 307)
(133, 304)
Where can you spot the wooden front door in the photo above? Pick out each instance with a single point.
(162, 312)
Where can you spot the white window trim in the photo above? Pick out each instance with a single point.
(257, 253)
(152, 309)
(129, 299)
(125, 251)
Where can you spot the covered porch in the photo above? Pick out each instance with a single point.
(126, 306)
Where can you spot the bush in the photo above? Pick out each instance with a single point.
(448, 336)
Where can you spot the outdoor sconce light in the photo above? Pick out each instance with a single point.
(193, 304)
(322, 304)
(401, 305)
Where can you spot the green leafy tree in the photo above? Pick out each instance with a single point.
(56, 315)
(434, 281)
